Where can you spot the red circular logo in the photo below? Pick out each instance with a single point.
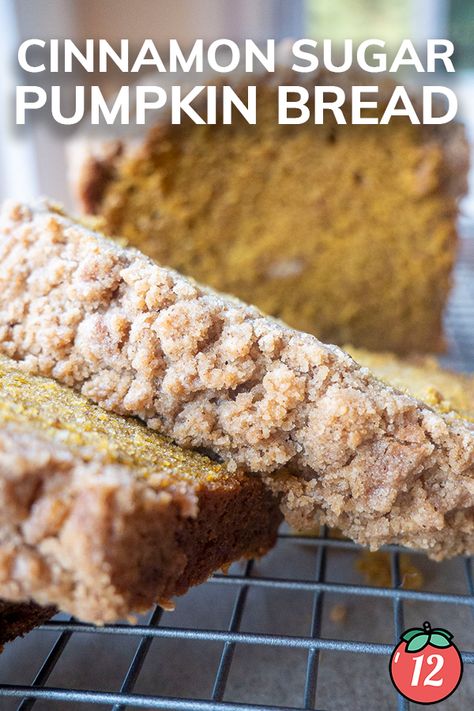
(426, 666)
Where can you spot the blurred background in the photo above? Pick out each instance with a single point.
(32, 157)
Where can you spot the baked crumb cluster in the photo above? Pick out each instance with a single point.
(214, 373)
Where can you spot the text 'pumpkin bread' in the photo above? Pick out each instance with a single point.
(344, 231)
(102, 517)
(214, 373)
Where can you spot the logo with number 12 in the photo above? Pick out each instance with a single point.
(426, 666)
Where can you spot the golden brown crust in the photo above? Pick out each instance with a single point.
(214, 373)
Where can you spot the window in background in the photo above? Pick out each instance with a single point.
(461, 30)
(17, 157)
(360, 19)
(394, 20)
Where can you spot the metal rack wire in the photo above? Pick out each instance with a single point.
(243, 582)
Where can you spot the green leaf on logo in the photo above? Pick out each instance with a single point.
(418, 642)
(445, 633)
(439, 640)
(409, 634)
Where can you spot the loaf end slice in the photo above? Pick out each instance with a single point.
(18, 618)
(102, 517)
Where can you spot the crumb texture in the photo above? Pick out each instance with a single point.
(214, 373)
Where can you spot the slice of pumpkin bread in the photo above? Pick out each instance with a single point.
(102, 517)
(212, 372)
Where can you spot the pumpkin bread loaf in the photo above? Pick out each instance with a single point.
(214, 373)
(344, 231)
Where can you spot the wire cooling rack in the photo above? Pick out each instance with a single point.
(300, 629)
